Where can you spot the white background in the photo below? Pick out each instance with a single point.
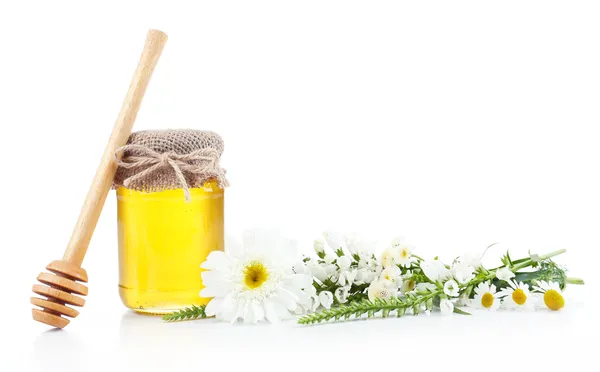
(455, 123)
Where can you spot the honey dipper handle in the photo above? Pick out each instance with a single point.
(94, 202)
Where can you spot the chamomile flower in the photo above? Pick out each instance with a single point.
(517, 296)
(254, 281)
(379, 289)
(486, 297)
(553, 297)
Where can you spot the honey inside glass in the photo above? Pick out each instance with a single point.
(163, 240)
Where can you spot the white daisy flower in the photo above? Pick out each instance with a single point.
(379, 289)
(505, 274)
(553, 297)
(435, 270)
(517, 296)
(451, 288)
(486, 297)
(446, 306)
(254, 281)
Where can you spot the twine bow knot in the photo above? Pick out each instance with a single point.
(203, 161)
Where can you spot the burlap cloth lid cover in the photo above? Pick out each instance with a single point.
(158, 160)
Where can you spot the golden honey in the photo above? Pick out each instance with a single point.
(163, 240)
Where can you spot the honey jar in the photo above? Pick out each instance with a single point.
(170, 204)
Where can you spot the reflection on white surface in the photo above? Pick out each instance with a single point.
(58, 349)
(125, 341)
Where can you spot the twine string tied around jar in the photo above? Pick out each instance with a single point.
(203, 161)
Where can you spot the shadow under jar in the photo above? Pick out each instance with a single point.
(165, 234)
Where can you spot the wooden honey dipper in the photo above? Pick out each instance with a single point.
(62, 285)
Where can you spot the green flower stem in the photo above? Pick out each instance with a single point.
(188, 313)
(369, 307)
(529, 261)
(575, 281)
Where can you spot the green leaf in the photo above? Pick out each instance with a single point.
(188, 313)
(461, 312)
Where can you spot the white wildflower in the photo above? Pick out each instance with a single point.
(435, 270)
(391, 276)
(379, 289)
(364, 276)
(402, 252)
(446, 306)
(344, 262)
(319, 247)
(451, 288)
(504, 274)
(341, 294)
(426, 287)
(334, 240)
(463, 273)
(326, 299)
(318, 271)
(389, 257)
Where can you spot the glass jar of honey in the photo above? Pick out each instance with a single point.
(167, 225)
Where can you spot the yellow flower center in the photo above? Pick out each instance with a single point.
(404, 253)
(554, 300)
(487, 300)
(519, 297)
(255, 274)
